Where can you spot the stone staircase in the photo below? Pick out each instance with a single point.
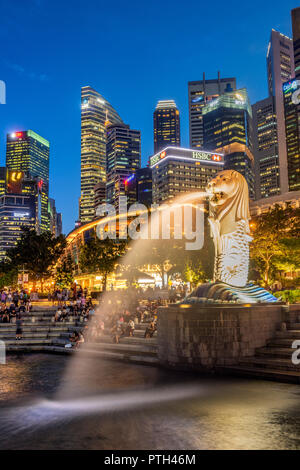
(272, 362)
(40, 332)
(136, 349)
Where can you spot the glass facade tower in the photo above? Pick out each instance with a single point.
(199, 94)
(265, 148)
(166, 125)
(96, 114)
(227, 123)
(280, 69)
(28, 152)
(123, 160)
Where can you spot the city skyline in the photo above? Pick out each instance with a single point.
(30, 90)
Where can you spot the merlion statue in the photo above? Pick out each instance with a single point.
(229, 221)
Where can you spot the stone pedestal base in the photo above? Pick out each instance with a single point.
(205, 336)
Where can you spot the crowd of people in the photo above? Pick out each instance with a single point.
(121, 322)
(13, 305)
(118, 315)
(62, 296)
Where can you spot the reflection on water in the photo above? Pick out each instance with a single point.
(126, 406)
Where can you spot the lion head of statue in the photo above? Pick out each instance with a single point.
(229, 200)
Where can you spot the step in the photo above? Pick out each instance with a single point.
(41, 324)
(276, 352)
(261, 373)
(293, 326)
(270, 363)
(127, 348)
(108, 355)
(280, 342)
(137, 333)
(19, 348)
(137, 359)
(36, 328)
(28, 341)
(294, 334)
(128, 340)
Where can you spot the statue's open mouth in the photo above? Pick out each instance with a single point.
(215, 197)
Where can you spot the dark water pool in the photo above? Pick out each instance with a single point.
(108, 405)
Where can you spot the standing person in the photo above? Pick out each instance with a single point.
(19, 329)
(16, 298)
(3, 297)
(9, 297)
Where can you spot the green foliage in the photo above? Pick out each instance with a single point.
(101, 256)
(275, 247)
(194, 272)
(8, 275)
(291, 296)
(36, 254)
(64, 273)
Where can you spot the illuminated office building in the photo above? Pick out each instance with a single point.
(28, 152)
(291, 94)
(280, 69)
(55, 219)
(2, 180)
(265, 148)
(177, 170)
(166, 125)
(100, 195)
(138, 187)
(296, 40)
(123, 158)
(199, 94)
(292, 162)
(96, 114)
(227, 124)
(20, 206)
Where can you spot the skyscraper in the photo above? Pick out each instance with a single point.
(96, 114)
(280, 68)
(20, 206)
(2, 180)
(28, 152)
(200, 93)
(166, 125)
(227, 125)
(296, 40)
(100, 195)
(55, 219)
(139, 186)
(123, 159)
(291, 94)
(265, 148)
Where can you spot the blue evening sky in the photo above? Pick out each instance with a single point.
(133, 53)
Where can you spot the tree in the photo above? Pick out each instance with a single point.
(37, 254)
(194, 273)
(276, 243)
(8, 274)
(101, 256)
(64, 272)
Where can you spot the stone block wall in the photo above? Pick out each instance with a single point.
(202, 337)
